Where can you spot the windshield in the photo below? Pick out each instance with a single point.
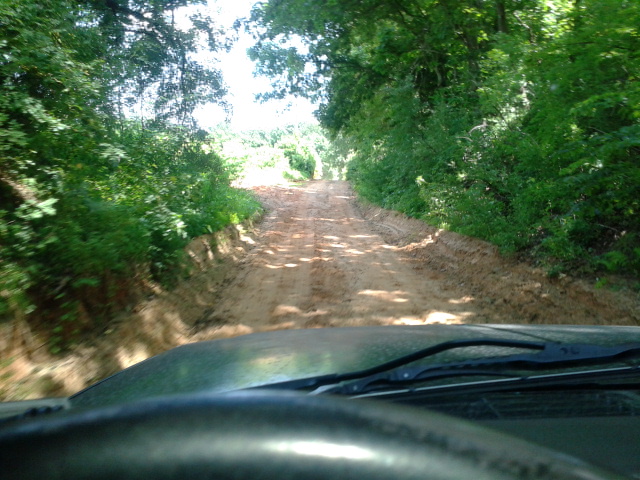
(185, 171)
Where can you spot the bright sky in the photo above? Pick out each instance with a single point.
(237, 69)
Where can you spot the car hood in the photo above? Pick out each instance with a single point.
(264, 358)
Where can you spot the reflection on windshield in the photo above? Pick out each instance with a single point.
(322, 449)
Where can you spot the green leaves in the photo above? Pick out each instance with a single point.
(90, 200)
(153, 50)
(32, 210)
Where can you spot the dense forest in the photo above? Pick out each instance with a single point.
(515, 121)
(104, 177)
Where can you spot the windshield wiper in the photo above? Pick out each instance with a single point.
(553, 355)
(605, 378)
(394, 372)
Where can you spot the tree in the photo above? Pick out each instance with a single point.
(91, 199)
(149, 47)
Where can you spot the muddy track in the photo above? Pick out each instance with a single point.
(319, 258)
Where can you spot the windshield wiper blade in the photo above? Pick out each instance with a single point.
(334, 378)
(607, 378)
(552, 355)
(549, 355)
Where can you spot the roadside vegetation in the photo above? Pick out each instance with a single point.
(294, 153)
(104, 177)
(517, 122)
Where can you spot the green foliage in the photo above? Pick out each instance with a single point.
(300, 159)
(167, 189)
(91, 201)
(516, 122)
(14, 282)
(294, 152)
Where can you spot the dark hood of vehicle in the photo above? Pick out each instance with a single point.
(265, 358)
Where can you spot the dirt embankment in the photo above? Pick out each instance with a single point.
(318, 259)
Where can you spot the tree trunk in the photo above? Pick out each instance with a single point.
(501, 17)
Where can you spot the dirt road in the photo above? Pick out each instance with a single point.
(323, 261)
(320, 264)
(320, 259)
